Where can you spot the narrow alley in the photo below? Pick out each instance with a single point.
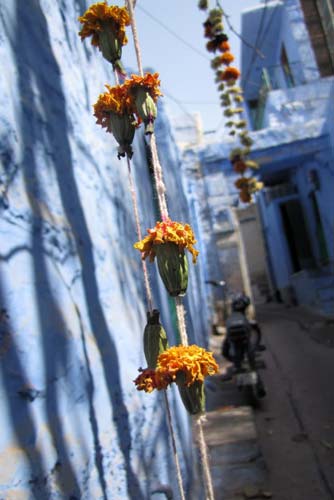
(296, 424)
(285, 448)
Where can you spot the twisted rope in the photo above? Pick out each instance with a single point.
(176, 457)
(199, 419)
(161, 193)
(180, 313)
(148, 289)
(157, 170)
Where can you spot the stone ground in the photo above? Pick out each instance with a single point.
(237, 465)
(284, 449)
(296, 424)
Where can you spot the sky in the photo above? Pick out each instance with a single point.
(187, 79)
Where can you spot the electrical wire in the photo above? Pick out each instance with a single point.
(173, 33)
(231, 28)
(180, 104)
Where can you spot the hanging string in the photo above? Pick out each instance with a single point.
(158, 177)
(148, 289)
(180, 313)
(157, 170)
(161, 190)
(176, 457)
(129, 4)
(199, 419)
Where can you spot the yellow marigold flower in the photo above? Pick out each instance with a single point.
(98, 16)
(149, 82)
(116, 100)
(193, 362)
(113, 111)
(168, 231)
(144, 91)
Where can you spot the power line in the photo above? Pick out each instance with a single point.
(173, 33)
(231, 28)
(180, 104)
(257, 40)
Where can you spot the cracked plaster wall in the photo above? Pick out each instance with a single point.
(71, 289)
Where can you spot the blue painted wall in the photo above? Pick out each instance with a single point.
(71, 288)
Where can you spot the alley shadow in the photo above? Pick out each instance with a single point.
(15, 379)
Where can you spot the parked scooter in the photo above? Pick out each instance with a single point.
(242, 346)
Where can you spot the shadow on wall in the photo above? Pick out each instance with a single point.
(32, 47)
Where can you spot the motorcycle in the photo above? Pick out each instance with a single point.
(242, 345)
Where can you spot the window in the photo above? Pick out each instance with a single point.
(288, 77)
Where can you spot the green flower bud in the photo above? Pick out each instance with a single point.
(203, 4)
(173, 267)
(246, 140)
(215, 15)
(123, 130)
(155, 339)
(193, 397)
(146, 109)
(241, 124)
(228, 112)
(111, 48)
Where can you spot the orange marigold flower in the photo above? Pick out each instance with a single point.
(100, 15)
(227, 58)
(194, 362)
(146, 380)
(230, 73)
(116, 100)
(224, 47)
(168, 231)
(149, 82)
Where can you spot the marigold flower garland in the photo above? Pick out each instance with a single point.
(120, 110)
(231, 99)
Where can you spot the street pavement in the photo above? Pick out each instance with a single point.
(237, 466)
(284, 449)
(296, 424)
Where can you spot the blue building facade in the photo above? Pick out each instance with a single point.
(290, 109)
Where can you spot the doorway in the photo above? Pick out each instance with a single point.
(297, 238)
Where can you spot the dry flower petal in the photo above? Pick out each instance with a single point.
(168, 231)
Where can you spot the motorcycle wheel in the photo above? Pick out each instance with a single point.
(255, 393)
